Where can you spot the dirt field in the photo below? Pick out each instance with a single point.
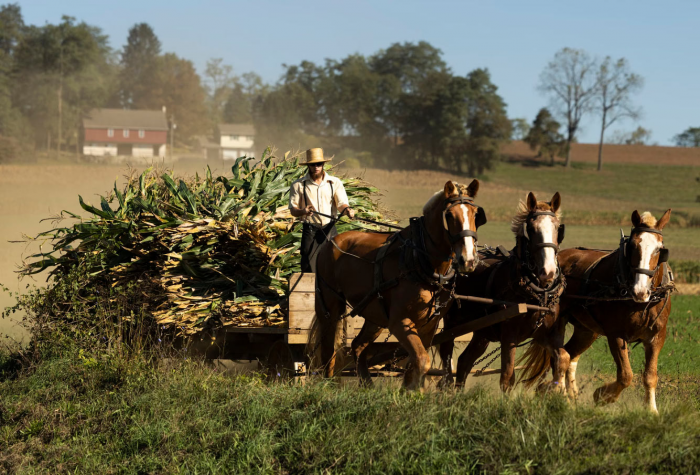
(643, 154)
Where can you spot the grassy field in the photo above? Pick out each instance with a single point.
(105, 415)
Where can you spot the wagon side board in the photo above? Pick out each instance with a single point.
(302, 309)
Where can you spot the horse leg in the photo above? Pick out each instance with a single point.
(328, 313)
(446, 350)
(580, 341)
(476, 347)
(418, 361)
(652, 348)
(367, 335)
(507, 365)
(610, 392)
(560, 359)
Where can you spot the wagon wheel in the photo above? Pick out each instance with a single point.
(280, 362)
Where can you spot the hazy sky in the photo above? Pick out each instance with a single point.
(513, 39)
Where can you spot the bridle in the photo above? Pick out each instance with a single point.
(479, 219)
(561, 231)
(626, 241)
(525, 255)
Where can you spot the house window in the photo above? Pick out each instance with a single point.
(126, 132)
(110, 132)
(234, 137)
(142, 133)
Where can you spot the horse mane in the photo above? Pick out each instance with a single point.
(516, 224)
(648, 219)
(439, 196)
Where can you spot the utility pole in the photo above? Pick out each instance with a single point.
(173, 126)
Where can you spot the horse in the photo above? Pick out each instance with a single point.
(529, 273)
(623, 295)
(395, 281)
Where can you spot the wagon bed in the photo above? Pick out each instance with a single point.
(281, 351)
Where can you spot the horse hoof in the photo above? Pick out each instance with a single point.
(446, 383)
(601, 397)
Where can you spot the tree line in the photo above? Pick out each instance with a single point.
(401, 107)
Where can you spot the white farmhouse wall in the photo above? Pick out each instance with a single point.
(142, 150)
(161, 151)
(241, 143)
(231, 154)
(100, 150)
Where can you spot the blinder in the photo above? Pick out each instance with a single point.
(561, 232)
(664, 255)
(480, 218)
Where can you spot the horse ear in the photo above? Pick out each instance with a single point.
(556, 202)
(473, 188)
(664, 220)
(636, 219)
(531, 202)
(449, 189)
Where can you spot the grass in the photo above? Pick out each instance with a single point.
(588, 196)
(104, 415)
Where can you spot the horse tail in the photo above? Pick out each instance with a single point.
(326, 338)
(537, 362)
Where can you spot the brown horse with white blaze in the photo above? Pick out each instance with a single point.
(623, 295)
(395, 280)
(530, 274)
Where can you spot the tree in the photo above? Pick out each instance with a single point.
(690, 137)
(544, 136)
(520, 128)
(53, 55)
(615, 86)
(183, 96)
(488, 125)
(247, 90)
(569, 80)
(12, 29)
(639, 136)
(220, 84)
(139, 86)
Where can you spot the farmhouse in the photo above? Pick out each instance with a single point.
(137, 133)
(235, 140)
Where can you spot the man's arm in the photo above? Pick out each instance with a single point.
(341, 199)
(295, 203)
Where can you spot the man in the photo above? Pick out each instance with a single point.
(317, 192)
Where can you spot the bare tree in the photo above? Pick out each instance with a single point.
(220, 82)
(570, 82)
(615, 85)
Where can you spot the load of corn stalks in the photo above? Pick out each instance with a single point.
(220, 249)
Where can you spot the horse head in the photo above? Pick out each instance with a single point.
(461, 217)
(538, 224)
(645, 251)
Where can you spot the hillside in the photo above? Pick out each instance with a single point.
(639, 154)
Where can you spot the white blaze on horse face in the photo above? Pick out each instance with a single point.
(648, 245)
(469, 249)
(545, 226)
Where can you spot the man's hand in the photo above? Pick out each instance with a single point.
(349, 211)
(309, 210)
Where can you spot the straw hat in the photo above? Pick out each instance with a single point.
(315, 155)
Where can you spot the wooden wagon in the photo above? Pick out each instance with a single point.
(282, 351)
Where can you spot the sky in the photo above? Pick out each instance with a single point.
(513, 39)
